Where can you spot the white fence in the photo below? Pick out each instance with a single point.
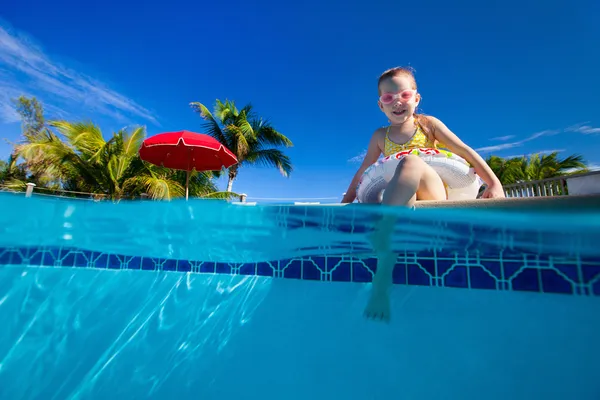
(580, 184)
(574, 185)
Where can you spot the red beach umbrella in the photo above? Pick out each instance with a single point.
(185, 150)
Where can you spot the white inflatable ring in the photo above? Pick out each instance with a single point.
(461, 181)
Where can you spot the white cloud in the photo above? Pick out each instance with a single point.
(594, 167)
(358, 158)
(580, 128)
(504, 146)
(26, 70)
(583, 128)
(541, 152)
(503, 138)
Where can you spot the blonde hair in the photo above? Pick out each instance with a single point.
(421, 119)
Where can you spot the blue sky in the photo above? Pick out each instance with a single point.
(509, 79)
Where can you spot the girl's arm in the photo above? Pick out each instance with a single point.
(455, 145)
(373, 153)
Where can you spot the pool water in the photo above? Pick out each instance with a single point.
(213, 300)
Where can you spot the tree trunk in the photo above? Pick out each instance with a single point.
(232, 176)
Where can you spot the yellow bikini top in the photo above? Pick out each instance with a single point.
(418, 140)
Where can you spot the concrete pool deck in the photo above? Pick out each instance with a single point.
(583, 203)
(576, 203)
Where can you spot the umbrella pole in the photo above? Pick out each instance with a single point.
(187, 183)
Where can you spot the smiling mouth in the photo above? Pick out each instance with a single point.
(398, 112)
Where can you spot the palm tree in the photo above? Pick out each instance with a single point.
(508, 171)
(521, 169)
(14, 176)
(3, 171)
(86, 162)
(550, 166)
(246, 135)
(78, 158)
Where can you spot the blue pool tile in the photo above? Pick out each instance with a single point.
(399, 275)
(440, 254)
(443, 265)
(457, 277)
(552, 282)
(322, 263)
(114, 262)
(51, 255)
(148, 264)
(511, 268)
(207, 267)
(343, 272)
(590, 272)
(16, 257)
(82, 259)
(511, 255)
(570, 269)
(5, 256)
(37, 257)
(416, 276)
(311, 271)
(66, 257)
(266, 269)
(222, 268)
(581, 290)
(170, 265)
(135, 263)
(99, 260)
(429, 264)
(543, 273)
(361, 270)
(480, 279)
(247, 269)
(184, 266)
(292, 269)
(527, 280)
(25, 252)
(75, 259)
(494, 267)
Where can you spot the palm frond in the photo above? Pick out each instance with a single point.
(222, 195)
(225, 112)
(238, 141)
(267, 135)
(273, 158)
(211, 126)
(85, 137)
(15, 184)
(156, 187)
(245, 126)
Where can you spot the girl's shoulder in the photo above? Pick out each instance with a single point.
(380, 132)
(429, 119)
(429, 126)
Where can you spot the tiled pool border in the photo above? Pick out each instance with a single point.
(505, 271)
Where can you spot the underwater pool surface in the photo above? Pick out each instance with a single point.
(211, 300)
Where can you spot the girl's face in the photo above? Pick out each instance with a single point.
(398, 100)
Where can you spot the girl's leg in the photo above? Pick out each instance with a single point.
(413, 180)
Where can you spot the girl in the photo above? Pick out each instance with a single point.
(413, 179)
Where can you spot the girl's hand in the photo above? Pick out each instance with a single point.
(493, 191)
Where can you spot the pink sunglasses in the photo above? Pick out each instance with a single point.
(404, 96)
